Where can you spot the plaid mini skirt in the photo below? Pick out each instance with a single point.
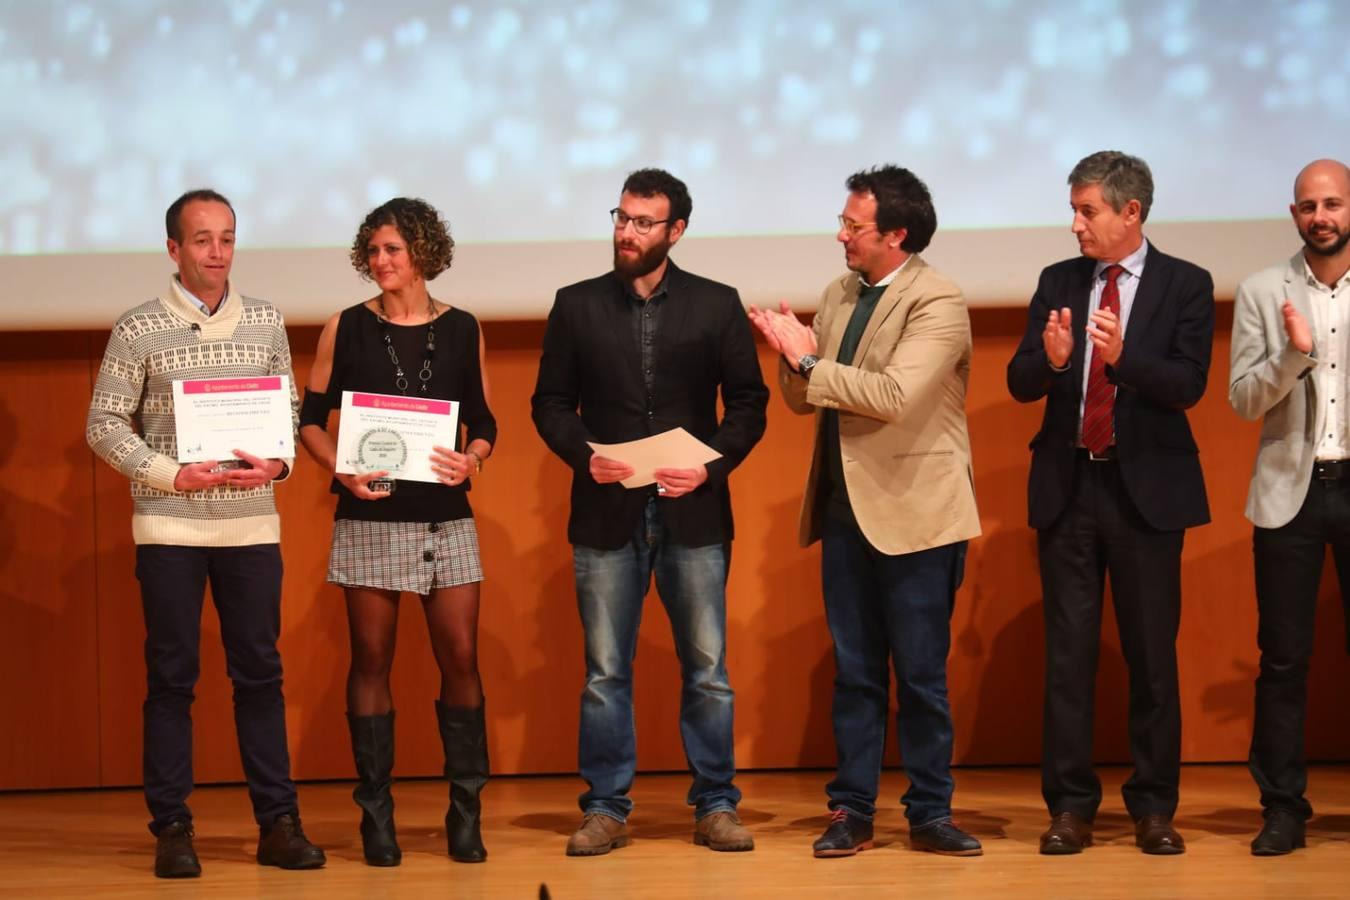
(404, 556)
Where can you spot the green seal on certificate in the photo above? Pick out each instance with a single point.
(381, 449)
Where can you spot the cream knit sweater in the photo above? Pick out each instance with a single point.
(131, 423)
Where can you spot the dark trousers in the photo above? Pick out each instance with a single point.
(1101, 533)
(1288, 573)
(890, 610)
(246, 588)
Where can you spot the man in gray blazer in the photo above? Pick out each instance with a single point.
(1291, 346)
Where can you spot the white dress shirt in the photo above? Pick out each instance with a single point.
(1330, 328)
(1128, 284)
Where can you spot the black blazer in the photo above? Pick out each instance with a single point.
(1161, 372)
(590, 388)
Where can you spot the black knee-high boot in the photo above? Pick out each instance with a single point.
(464, 737)
(373, 749)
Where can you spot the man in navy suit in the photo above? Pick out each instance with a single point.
(1118, 343)
(630, 354)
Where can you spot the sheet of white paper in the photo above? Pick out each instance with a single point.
(389, 433)
(213, 417)
(673, 449)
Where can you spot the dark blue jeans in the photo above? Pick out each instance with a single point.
(1288, 573)
(246, 587)
(885, 610)
(691, 582)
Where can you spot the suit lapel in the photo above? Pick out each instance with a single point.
(1149, 295)
(618, 325)
(1296, 289)
(886, 304)
(675, 311)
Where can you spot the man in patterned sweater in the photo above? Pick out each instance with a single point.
(202, 521)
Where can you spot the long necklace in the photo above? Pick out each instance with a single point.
(400, 379)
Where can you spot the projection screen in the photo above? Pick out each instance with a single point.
(520, 120)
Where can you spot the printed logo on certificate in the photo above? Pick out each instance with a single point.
(394, 434)
(213, 417)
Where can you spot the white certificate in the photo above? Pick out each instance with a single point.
(673, 449)
(389, 433)
(213, 417)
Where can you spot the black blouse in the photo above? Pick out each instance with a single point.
(361, 363)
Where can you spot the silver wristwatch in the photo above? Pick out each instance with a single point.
(806, 364)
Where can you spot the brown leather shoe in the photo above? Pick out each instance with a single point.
(597, 835)
(174, 856)
(1067, 834)
(723, 831)
(285, 846)
(1155, 834)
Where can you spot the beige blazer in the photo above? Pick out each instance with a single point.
(902, 416)
(1270, 380)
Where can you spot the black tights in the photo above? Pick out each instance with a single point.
(452, 622)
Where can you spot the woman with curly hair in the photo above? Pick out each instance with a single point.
(395, 536)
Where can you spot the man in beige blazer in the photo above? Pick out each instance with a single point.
(1290, 349)
(884, 369)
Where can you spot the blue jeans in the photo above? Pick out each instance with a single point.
(896, 609)
(611, 585)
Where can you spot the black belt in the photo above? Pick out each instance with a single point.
(1107, 455)
(1331, 469)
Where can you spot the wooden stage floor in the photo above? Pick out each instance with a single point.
(90, 844)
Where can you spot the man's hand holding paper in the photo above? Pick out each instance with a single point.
(674, 460)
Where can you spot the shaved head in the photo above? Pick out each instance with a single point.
(1319, 169)
(1321, 208)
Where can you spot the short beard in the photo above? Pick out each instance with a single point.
(645, 264)
(1342, 238)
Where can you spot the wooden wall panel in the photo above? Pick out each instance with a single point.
(49, 711)
(121, 632)
(79, 722)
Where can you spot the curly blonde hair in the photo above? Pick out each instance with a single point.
(419, 224)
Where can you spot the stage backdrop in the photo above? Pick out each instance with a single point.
(520, 120)
(74, 677)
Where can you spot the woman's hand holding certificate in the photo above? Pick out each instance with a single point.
(390, 436)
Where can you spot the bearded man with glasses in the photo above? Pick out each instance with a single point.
(627, 355)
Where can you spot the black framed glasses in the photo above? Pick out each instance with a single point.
(641, 224)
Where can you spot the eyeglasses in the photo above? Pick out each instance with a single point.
(853, 228)
(641, 224)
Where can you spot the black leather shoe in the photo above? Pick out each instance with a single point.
(174, 856)
(285, 846)
(1155, 835)
(1282, 833)
(944, 838)
(845, 836)
(1067, 834)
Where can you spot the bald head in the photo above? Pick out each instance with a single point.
(1321, 207)
(1322, 171)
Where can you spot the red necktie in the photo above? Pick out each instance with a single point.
(1099, 405)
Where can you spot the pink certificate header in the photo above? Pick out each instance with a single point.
(403, 404)
(231, 385)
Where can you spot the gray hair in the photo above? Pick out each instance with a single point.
(1123, 178)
